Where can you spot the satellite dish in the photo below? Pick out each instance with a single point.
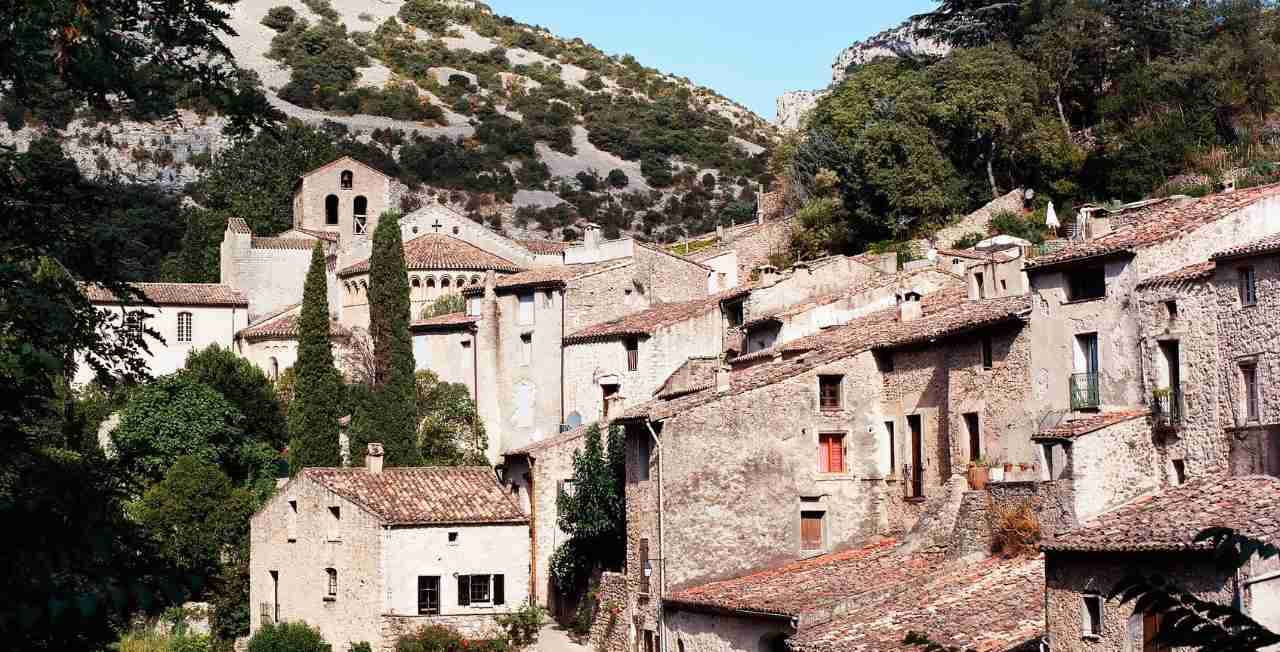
(575, 420)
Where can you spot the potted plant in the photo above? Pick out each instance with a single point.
(996, 473)
(977, 474)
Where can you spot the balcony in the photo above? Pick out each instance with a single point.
(1084, 391)
(1166, 407)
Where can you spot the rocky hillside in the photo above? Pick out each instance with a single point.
(900, 41)
(511, 123)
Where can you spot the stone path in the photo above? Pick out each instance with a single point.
(554, 638)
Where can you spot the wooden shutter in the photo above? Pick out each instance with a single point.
(811, 530)
(836, 445)
(499, 590)
(644, 557)
(464, 590)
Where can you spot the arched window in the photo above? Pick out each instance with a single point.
(275, 369)
(184, 327)
(331, 210)
(333, 583)
(431, 282)
(346, 179)
(444, 283)
(360, 210)
(475, 280)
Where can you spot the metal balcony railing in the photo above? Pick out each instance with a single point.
(1084, 391)
(1166, 407)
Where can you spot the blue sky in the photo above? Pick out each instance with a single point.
(749, 51)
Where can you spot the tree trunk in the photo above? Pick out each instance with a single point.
(991, 173)
(1057, 98)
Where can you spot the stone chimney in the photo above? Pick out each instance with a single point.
(490, 283)
(591, 236)
(909, 308)
(373, 458)
(768, 274)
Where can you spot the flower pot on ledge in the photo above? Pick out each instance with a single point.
(977, 478)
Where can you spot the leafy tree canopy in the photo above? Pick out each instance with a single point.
(246, 387)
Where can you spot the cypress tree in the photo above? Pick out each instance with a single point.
(390, 414)
(318, 389)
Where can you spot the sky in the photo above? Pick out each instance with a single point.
(750, 51)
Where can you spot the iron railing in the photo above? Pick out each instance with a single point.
(1084, 391)
(1166, 407)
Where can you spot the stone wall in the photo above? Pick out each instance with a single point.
(271, 278)
(1114, 465)
(610, 629)
(978, 221)
(479, 626)
(325, 181)
(1249, 334)
(699, 632)
(537, 476)
(209, 325)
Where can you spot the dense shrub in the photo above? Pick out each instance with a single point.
(1009, 223)
(438, 638)
(523, 625)
(280, 18)
(288, 637)
(618, 178)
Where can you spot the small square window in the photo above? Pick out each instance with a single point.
(1092, 616)
(829, 397)
(1090, 283)
(1171, 309)
(453, 537)
(988, 353)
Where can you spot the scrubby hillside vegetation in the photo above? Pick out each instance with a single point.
(528, 132)
(1081, 101)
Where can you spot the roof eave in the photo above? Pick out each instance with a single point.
(1033, 268)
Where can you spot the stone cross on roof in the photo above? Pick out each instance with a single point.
(437, 226)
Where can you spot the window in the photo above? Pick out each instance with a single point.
(1249, 375)
(345, 180)
(1171, 309)
(428, 595)
(915, 423)
(977, 280)
(135, 323)
(474, 589)
(271, 612)
(335, 520)
(548, 299)
(473, 306)
(831, 452)
(275, 369)
(526, 349)
(524, 315)
(292, 525)
(184, 327)
(734, 314)
(360, 212)
(988, 355)
(1091, 624)
(332, 593)
(644, 450)
(565, 487)
(972, 425)
(608, 392)
(884, 361)
(1248, 287)
(633, 353)
(1084, 284)
(1179, 471)
(829, 392)
(331, 210)
(1085, 389)
(453, 537)
(811, 531)
(893, 447)
(646, 567)
(466, 344)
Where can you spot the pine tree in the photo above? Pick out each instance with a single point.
(390, 414)
(318, 391)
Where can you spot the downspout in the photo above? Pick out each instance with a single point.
(475, 367)
(564, 295)
(662, 546)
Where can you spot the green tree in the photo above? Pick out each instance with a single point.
(388, 416)
(594, 515)
(170, 417)
(316, 405)
(196, 515)
(444, 304)
(450, 431)
(247, 388)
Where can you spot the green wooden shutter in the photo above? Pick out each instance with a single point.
(499, 593)
(464, 590)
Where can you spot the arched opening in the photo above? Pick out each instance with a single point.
(274, 369)
(776, 642)
(475, 280)
(444, 284)
(415, 289)
(331, 210)
(360, 211)
(346, 179)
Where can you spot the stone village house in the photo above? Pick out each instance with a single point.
(368, 554)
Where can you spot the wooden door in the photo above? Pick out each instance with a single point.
(917, 455)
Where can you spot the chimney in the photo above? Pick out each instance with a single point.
(373, 458)
(591, 236)
(909, 306)
(768, 274)
(720, 232)
(490, 282)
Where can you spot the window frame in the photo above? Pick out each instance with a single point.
(988, 347)
(644, 457)
(1079, 290)
(425, 608)
(331, 585)
(1252, 392)
(632, 347)
(821, 517)
(1247, 285)
(830, 397)
(1092, 624)
(526, 349)
(190, 327)
(973, 428)
(525, 316)
(827, 442)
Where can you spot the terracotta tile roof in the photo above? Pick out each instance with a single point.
(424, 495)
(450, 321)
(1267, 245)
(1170, 520)
(238, 225)
(1188, 273)
(971, 254)
(284, 325)
(991, 605)
(566, 437)
(792, 589)
(554, 276)
(343, 159)
(545, 246)
(258, 242)
(438, 251)
(648, 321)
(1161, 222)
(1092, 423)
(174, 294)
(327, 236)
(946, 313)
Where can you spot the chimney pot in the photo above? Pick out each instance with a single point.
(373, 458)
(591, 236)
(768, 274)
